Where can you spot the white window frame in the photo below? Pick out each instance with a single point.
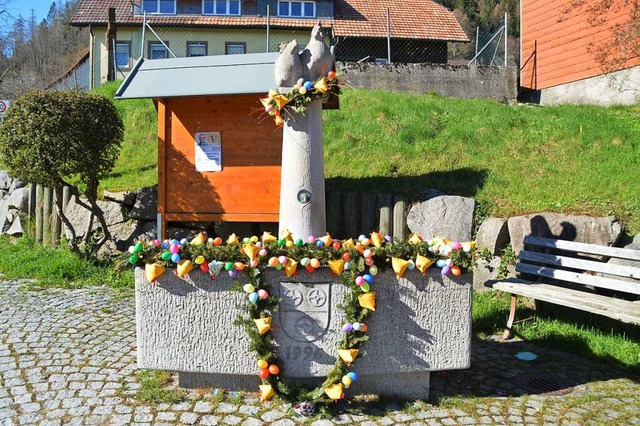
(123, 43)
(227, 8)
(191, 44)
(289, 15)
(157, 44)
(175, 8)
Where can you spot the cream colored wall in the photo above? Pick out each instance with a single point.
(256, 40)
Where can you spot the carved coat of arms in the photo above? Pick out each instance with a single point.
(305, 310)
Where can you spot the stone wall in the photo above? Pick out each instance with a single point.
(454, 81)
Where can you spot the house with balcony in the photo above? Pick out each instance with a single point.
(414, 30)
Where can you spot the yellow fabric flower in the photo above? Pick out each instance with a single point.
(321, 86)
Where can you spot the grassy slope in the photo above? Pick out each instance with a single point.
(573, 159)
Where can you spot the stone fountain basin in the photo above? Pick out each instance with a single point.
(421, 324)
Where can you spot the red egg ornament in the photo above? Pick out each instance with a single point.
(346, 256)
(264, 373)
(204, 267)
(273, 369)
(331, 75)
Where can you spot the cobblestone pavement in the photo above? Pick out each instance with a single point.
(69, 357)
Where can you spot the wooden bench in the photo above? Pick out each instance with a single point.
(565, 274)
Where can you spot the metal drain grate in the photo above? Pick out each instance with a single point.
(546, 385)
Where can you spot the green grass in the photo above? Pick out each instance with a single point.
(603, 339)
(153, 388)
(56, 267)
(512, 159)
(137, 165)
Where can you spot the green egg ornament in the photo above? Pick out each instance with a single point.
(133, 259)
(166, 255)
(228, 266)
(365, 287)
(138, 247)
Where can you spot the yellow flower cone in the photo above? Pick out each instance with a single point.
(326, 240)
(153, 271)
(279, 120)
(348, 355)
(263, 324)
(368, 300)
(286, 235)
(334, 391)
(423, 263)
(266, 392)
(233, 240)
(377, 239)
(399, 266)
(281, 100)
(290, 267)
(251, 251)
(199, 240)
(337, 266)
(267, 101)
(268, 238)
(415, 239)
(184, 266)
(348, 244)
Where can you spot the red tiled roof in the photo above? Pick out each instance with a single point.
(361, 18)
(408, 19)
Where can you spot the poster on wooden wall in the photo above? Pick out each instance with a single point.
(208, 152)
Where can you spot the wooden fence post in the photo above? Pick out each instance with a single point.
(368, 213)
(46, 216)
(334, 214)
(385, 201)
(56, 225)
(400, 218)
(351, 214)
(38, 207)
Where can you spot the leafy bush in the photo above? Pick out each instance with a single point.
(49, 138)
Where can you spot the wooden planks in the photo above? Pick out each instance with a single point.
(618, 309)
(581, 264)
(575, 247)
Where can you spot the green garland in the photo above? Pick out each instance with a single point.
(213, 257)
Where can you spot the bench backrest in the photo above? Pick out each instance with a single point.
(567, 265)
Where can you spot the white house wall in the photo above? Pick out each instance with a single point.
(177, 38)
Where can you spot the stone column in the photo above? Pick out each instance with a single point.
(302, 203)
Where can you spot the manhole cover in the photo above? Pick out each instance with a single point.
(546, 384)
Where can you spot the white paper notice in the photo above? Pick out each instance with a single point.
(208, 152)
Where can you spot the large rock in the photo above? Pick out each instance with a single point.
(16, 228)
(5, 180)
(493, 235)
(19, 199)
(146, 205)
(633, 245)
(80, 217)
(603, 231)
(16, 184)
(127, 198)
(4, 212)
(446, 216)
(488, 269)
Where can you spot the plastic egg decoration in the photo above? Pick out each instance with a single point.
(311, 239)
(441, 263)
(319, 243)
(254, 263)
(233, 273)
(347, 327)
(166, 255)
(307, 85)
(228, 266)
(204, 267)
(456, 245)
(133, 259)
(356, 326)
(446, 270)
(368, 278)
(132, 249)
(288, 243)
(262, 363)
(199, 260)
(174, 241)
(362, 237)
(456, 271)
(279, 267)
(175, 258)
(263, 294)
(347, 266)
(274, 369)
(367, 253)
(368, 261)
(273, 261)
(449, 262)
(184, 242)
(346, 381)
(253, 297)
(283, 260)
(466, 247)
(388, 238)
(373, 270)
(365, 287)
(315, 263)
(262, 252)
(248, 288)
(157, 242)
(353, 376)
(302, 90)
(304, 261)
(411, 265)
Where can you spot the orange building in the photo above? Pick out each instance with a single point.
(559, 48)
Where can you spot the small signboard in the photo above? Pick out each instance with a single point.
(4, 106)
(208, 152)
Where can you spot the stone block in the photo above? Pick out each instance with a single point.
(16, 184)
(603, 231)
(421, 324)
(493, 234)
(446, 216)
(19, 199)
(127, 198)
(16, 228)
(146, 205)
(5, 180)
(80, 217)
